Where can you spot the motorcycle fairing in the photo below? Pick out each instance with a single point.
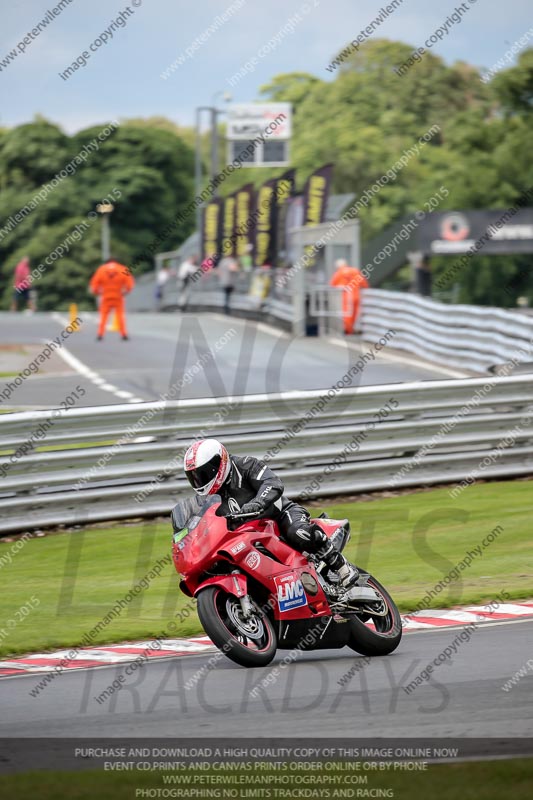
(236, 584)
(256, 550)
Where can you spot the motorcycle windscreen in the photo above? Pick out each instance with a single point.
(185, 510)
(192, 523)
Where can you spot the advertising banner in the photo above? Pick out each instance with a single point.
(265, 245)
(316, 193)
(244, 221)
(504, 231)
(229, 243)
(211, 230)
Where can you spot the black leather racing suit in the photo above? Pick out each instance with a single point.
(252, 480)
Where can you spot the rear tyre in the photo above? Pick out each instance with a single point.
(386, 632)
(248, 642)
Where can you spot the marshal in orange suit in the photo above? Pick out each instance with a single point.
(112, 281)
(353, 280)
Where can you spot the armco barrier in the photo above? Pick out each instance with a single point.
(436, 432)
(469, 337)
(206, 294)
(472, 338)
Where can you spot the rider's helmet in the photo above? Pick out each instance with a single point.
(207, 466)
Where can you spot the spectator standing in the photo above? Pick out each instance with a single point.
(423, 276)
(227, 270)
(247, 260)
(111, 282)
(352, 280)
(186, 270)
(22, 283)
(160, 282)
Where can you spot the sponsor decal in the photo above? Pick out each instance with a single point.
(222, 468)
(233, 505)
(252, 560)
(180, 535)
(237, 548)
(454, 227)
(190, 456)
(290, 592)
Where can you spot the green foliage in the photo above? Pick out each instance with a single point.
(148, 168)
(368, 115)
(31, 154)
(362, 120)
(290, 88)
(514, 87)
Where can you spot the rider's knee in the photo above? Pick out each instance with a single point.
(306, 536)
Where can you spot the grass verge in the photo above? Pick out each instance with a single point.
(410, 542)
(486, 780)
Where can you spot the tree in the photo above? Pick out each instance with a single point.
(145, 171)
(363, 120)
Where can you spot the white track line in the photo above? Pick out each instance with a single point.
(88, 373)
(270, 330)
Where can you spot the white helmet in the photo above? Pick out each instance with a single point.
(207, 466)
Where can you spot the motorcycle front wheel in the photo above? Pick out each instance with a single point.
(376, 634)
(249, 642)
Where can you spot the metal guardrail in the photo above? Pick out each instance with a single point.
(472, 338)
(325, 304)
(469, 337)
(114, 453)
(207, 294)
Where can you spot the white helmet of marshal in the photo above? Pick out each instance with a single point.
(207, 466)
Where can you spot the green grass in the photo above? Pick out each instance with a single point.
(78, 576)
(409, 542)
(412, 541)
(8, 374)
(53, 448)
(485, 780)
(75, 446)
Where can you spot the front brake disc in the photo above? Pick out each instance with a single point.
(252, 627)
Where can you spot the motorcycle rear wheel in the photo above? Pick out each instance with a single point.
(249, 643)
(386, 634)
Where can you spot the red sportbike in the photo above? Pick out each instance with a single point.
(255, 593)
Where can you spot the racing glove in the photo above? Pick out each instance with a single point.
(253, 507)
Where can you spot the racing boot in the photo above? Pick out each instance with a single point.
(348, 574)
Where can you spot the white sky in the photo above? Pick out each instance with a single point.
(122, 79)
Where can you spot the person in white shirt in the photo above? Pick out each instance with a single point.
(160, 281)
(227, 272)
(186, 270)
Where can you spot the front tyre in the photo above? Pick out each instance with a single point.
(376, 634)
(249, 642)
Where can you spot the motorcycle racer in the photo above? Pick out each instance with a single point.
(246, 486)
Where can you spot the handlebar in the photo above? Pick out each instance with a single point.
(251, 515)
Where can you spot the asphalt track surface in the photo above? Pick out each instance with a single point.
(464, 698)
(254, 358)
